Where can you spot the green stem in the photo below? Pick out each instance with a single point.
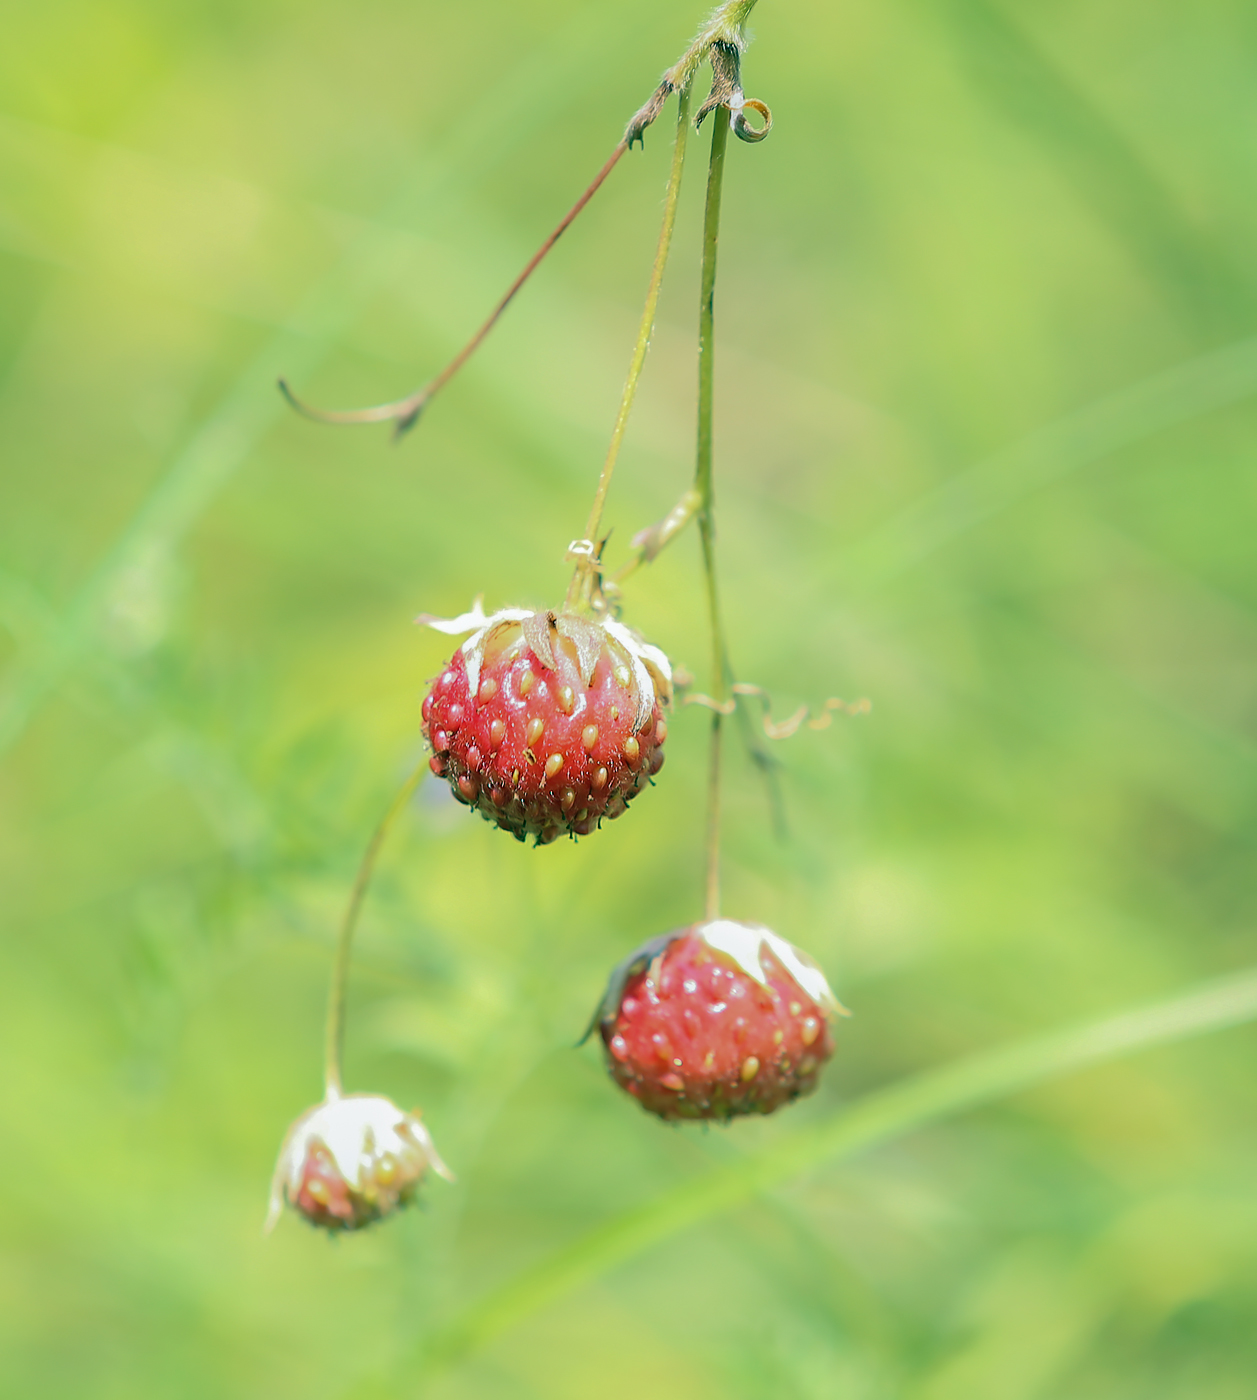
(335, 1037)
(877, 1118)
(644, 330)
(703, 486)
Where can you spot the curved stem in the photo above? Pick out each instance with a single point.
(703, 486)
(879, 1117)
(335, 1035)
(405, 412)
(644, 331)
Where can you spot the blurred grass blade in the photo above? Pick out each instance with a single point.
(877, 1118)
(1186, 392)
(1105, 168)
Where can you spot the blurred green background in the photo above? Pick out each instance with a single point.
(986, 403)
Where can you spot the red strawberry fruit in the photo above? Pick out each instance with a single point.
(717, 1020)
(547, 722)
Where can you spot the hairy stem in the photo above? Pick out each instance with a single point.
(877, 1118)
(644, 331)
(703, 486)
(335, 1037)
(726, 26)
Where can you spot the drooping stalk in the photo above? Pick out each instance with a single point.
(404, 413)
(335, 1036)
(726, 25)
(703, 486)
(644, 331)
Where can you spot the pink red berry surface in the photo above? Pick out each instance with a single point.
(545, 745)
(352, 1160)
(690, 1033)
(324, 1197)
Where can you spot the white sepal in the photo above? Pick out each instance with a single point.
(650, 667)
(357, 1130)
(453, 626)
(744, 943)
(637, 652)
(474, 647)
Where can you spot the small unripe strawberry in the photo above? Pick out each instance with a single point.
(717, 1020)
(350, 1161)
(547, 722)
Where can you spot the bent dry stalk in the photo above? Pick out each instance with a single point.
(724, 30)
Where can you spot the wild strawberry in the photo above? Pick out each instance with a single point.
(547, 722)
(716, 1020)
(350, 1161)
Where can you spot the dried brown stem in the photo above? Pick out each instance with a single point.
(404, 413)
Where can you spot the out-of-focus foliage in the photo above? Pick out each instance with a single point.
(987, 407)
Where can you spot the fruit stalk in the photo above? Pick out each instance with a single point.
(703, 486)
(644, 332)
(335, 1035)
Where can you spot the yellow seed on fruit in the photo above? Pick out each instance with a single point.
(497, 732)
(582, 815)
(567, 700)
(778, 1037)
(589, 736)
(488, 689)
(615, 712)
(536, 728)
(709, 1059)
(526, 679)
(553, 764)
(623, 675)
(795, 1008)
(631, 749)
(807, 1064)
(568, 800)
(750, 1068)
(386, 1169)
(811, 1029)
(661, 731)
(316, 1189)
(599, 780)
